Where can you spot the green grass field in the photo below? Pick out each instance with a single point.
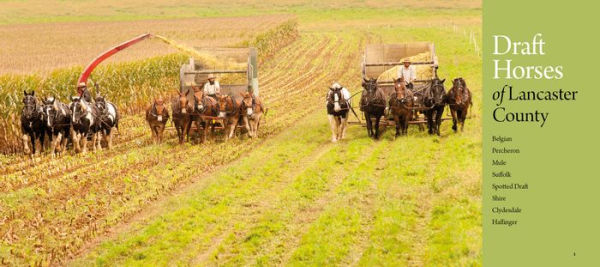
(290, 197)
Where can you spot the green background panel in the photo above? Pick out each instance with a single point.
(558, 161)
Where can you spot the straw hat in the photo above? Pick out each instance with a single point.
(336, 85)
(81, 84)
(211, 76)
(406, 60)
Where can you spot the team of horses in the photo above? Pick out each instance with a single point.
(404, 104)
(83, 119)
(206, 112)
(60, 122)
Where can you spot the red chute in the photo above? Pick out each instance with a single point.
(88, 70)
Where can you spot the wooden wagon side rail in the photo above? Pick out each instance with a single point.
(383, 64)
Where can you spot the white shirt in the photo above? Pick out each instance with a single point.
(409, 74)
(211, 89)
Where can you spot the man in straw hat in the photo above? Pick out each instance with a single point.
(84, 92)
(212, 87)
(407, 72)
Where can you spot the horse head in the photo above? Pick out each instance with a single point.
(183, 101)
(199, 100)
(370, 86)
(224, 102)
(30, 107)
(49, 110)
(436, 93)
(100, 103)
(247, 103)
(79, 108)
(159, 105)
(400, 88)
(457, 90)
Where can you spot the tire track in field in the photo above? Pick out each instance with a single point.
(237, 192)
(301, 220)
(257, 209)
(299, 213)
(423, 210)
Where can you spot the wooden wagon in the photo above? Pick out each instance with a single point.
(232, 79)
(379, 58)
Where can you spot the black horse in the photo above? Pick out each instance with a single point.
(372, 104)
(58, 123)
(435, 99)
(32, 122)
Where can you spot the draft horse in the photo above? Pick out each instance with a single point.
(157, 116)
(337, 112)
(459, 100)
(182, 119)
(252, 110)
(401, 106)
(58, 123)
(372, 104)
(32, 122)
(435, 101)
(204, 107)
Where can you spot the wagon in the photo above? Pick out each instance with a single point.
(379, 58)
(232, 79)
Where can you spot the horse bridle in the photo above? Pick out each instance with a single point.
(33, 106)
(458, 90)
(153, 110)
(430, 91)
(332, 100)
(371, 88)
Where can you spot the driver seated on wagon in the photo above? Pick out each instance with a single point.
(408, 72)
(212, 87)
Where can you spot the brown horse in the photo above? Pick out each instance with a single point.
(252, 110)
(182, 120)
(401, 103)
(157, 116)
(229, 111)
(204, 106)
(459, 100)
